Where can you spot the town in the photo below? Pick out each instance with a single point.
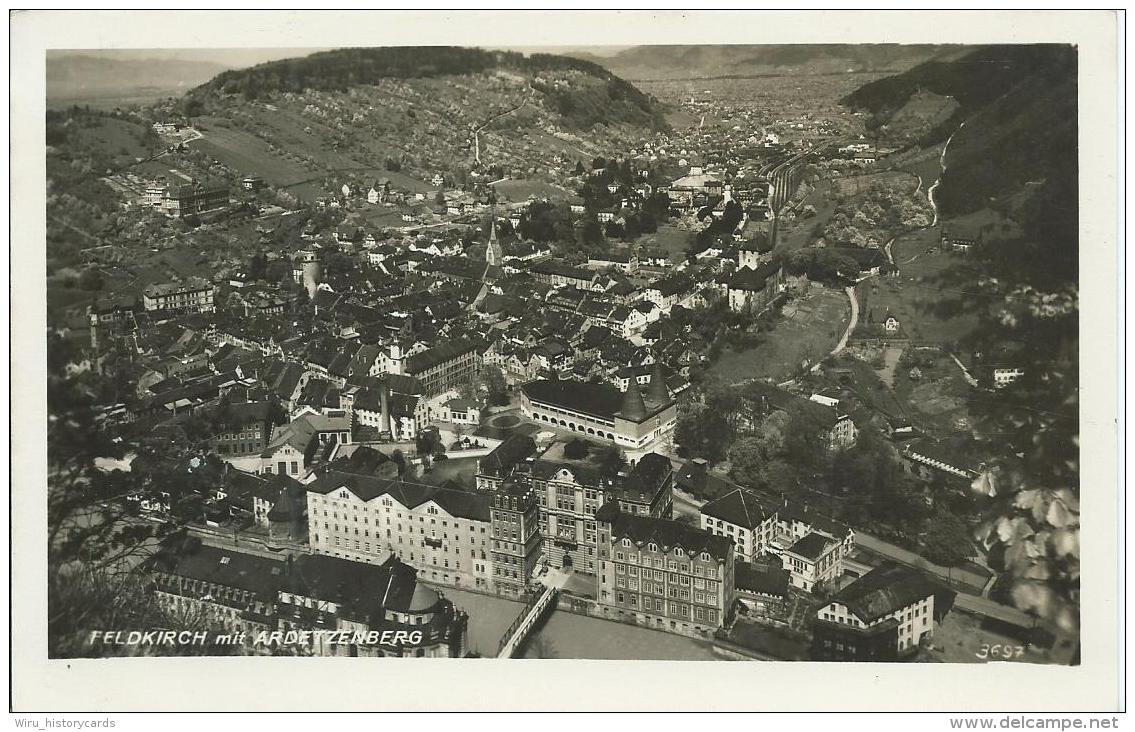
(472, 364)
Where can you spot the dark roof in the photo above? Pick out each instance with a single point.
(633, 407)
(761, 579)
(885, 589)
(738, 507)
(646, 478)
(753, 279)
(599, 400)
(506, 455)
(460, 503)
(222, 566)
(437, 355)
(665, 533)
(811, 546)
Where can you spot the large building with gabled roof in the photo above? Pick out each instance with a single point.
(630, 419)
(883, 616)
(442, 531)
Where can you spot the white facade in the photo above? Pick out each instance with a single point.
(445, 549)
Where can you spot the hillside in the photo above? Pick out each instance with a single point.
(412, 113)
(687, 62)
(582, 92)
(1019, 108)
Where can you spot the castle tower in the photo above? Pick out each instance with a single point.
(633, 407)
(656, 391)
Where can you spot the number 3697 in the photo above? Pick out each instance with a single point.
(999, 651)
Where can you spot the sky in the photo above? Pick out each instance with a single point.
(242, 57)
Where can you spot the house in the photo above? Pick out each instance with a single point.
(294, 446)
(834, 425)
(815, 559)
(753, 290)
(885, 615)
(460, 411)
(739, 517)
(623, 260)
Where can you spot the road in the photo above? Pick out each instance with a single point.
(850, 326)
(942, 164)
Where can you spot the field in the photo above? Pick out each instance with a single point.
(249, 155)
(808, 329)
(668, 238)
(521, 189)
(911, 296)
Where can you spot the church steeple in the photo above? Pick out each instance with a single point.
(493, 252)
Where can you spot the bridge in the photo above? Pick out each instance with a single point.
(534, 609)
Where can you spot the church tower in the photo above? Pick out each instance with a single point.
(493, 253)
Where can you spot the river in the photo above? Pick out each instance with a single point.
(567, 635)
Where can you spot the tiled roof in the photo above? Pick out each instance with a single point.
(887, 588)
(761, 579)
(812, 546)
(738, 507)
(665, 533)
(459, 503)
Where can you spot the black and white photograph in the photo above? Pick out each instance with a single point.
(761, 352)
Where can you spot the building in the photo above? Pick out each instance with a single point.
(623, 260)
(663, 573)
(359, 609)
(444, 367)
(558, 273)
(186, 200)
(494, 255)
(444, 532)
(834, 426)
(739, 517)
(193, 295)
(815, 559)
(753, 290)
(628, 419)
(571, 487)
(293, 447)
(514, 515)
(883, 616)
(243, 431)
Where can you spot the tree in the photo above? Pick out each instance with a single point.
(575, 449)
(702, 432)
(439, 199)
(494, 383)
(947, 541)
(611, 461)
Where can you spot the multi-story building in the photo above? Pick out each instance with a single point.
(739, 516)
(515, 518)
(192, 295)
(570, 490)
(444, 532)
(602, 412)
(244, 430)
(663, 573)
(444, 367)
(882, 616)
(184, 200)
(362, 609)
(817, 558)
(811, 546)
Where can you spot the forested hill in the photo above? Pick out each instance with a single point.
(1018, 105)
(582, 92)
